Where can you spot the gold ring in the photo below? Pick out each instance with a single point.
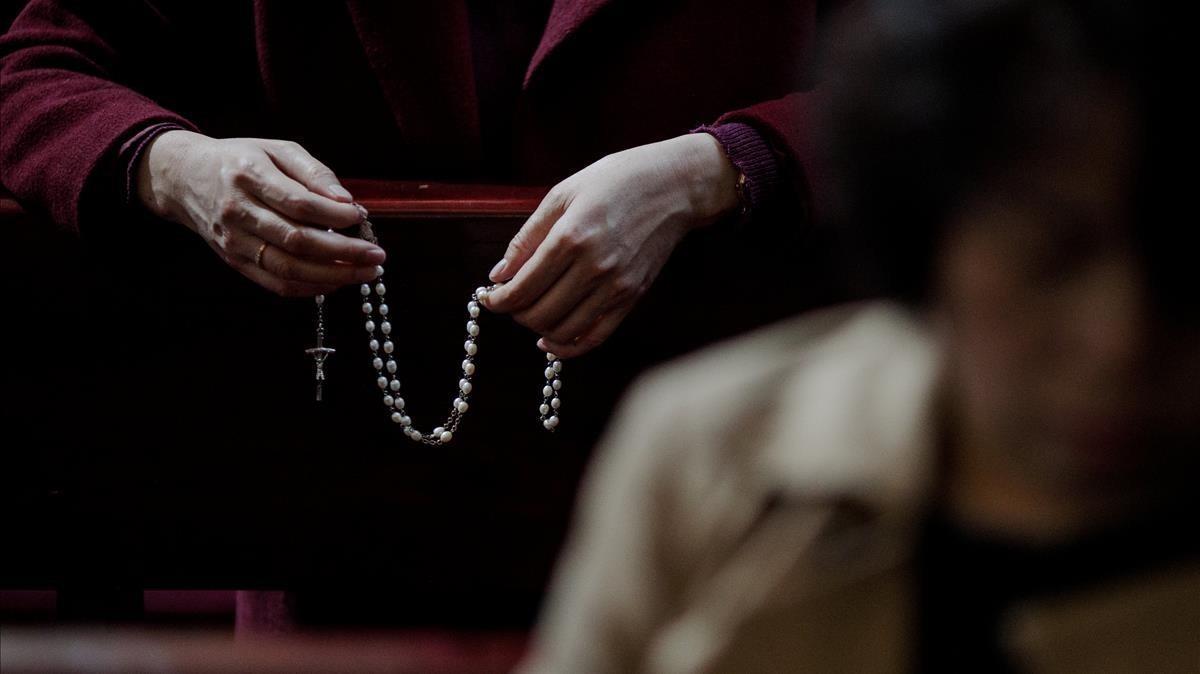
(259, 254)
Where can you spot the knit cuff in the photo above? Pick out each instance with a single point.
(749, 152)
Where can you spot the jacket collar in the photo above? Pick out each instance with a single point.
(422, 51)
(566, 16)
(860, 419)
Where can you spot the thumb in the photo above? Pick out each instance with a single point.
(298, 164)
(530, 236)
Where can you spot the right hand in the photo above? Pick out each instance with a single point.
(238, 193)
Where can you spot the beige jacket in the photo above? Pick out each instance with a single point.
(754, 509)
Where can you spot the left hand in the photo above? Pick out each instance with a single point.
(599, 238)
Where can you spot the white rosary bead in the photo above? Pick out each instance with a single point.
(378, 270)
(396, 404)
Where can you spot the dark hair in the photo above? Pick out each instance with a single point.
(924, 99)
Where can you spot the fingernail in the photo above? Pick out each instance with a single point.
(340, 192)
(494, 274)
(375, 255)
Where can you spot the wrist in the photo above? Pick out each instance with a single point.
(710, 177)
(156, 166)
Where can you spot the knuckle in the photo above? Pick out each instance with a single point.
(243, 172)
(626, 287)
(575, 242)
(285, 268)
(316, 170)
(297, 205)
(557, 194)
(229, 210)
(294, 239)
(518, 245)
(604, 266)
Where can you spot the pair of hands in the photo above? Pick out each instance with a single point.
(571, 274)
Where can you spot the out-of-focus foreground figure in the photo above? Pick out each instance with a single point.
(993, 471)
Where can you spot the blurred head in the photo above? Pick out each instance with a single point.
(1007, 166)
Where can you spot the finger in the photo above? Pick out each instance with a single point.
(289, 197)
(529, 237)
(575, 286)
(294, 160)
(593, 338)
(581, 318)
(310, 243)
(266, 280)
(278, 262)
(546, 266)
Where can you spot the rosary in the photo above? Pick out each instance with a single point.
(385, 364)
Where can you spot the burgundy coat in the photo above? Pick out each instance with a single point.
(373, 89)
(378, 88)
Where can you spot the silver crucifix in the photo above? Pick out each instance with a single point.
(320, 352)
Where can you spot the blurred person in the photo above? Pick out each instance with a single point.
(994, 470)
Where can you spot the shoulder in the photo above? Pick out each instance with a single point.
(838, 399)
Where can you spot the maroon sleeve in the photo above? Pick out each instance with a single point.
(66, 105)
(751, 155)
(786, 125)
